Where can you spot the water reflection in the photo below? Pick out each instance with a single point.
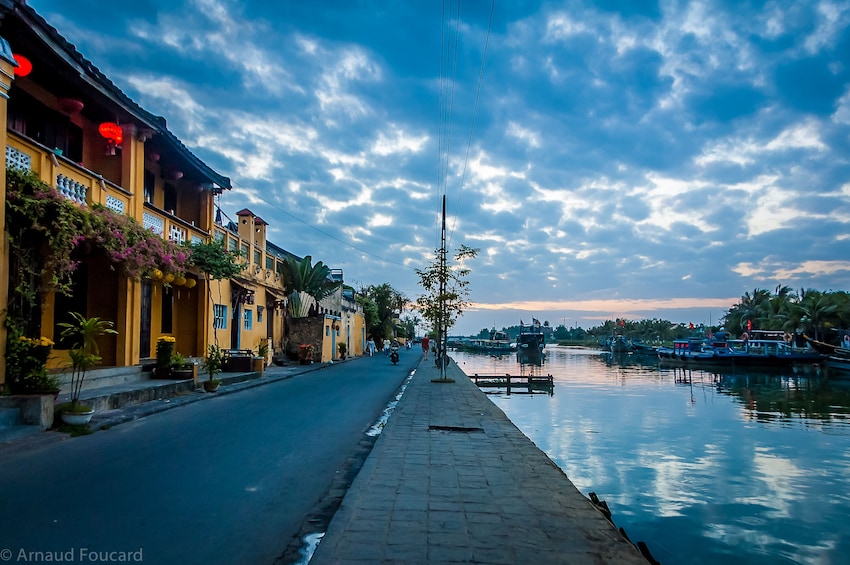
(706, 467)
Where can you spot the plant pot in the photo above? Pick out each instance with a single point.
(182, 374)
(77, 418)
(211, 386)
(259, 365)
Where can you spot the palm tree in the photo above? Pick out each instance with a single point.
(815, 310)
(306, 283)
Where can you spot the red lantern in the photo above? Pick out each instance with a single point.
(112, 132)
(24, 66)
(71, 105)
(114, 136)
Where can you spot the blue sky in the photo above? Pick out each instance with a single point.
(638, 162)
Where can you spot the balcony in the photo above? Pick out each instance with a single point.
(86, 188)
(74, 182)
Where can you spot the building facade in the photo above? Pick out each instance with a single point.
(79, 133)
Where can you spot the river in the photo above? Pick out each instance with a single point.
(703, 467)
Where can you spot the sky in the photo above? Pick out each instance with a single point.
(609, 159)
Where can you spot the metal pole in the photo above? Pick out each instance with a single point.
(442, 329)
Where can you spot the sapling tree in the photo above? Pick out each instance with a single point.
(446, 293)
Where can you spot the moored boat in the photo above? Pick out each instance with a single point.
(839, 363)
(499, 342)
(530, 342)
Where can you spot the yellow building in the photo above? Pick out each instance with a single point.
(80, 134)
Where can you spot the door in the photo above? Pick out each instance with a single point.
(145, 321)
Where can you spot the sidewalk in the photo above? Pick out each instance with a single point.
(451, 479)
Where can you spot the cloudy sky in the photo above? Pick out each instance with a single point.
(607, 160)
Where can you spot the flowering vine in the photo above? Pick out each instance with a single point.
(52, 235)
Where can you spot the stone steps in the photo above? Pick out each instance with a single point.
(12, 427)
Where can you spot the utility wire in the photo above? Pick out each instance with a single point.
(474, 114)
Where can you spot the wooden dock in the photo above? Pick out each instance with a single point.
(508, 381)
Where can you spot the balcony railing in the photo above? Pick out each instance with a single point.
(86, 187)
(72, 181)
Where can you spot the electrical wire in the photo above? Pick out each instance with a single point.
(474, 114)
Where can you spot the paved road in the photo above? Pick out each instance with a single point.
(228, 480)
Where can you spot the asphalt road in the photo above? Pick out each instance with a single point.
(228, 480)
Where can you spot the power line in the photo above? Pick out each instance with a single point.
(474, 113)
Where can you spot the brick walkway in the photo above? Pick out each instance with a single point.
(451, 479)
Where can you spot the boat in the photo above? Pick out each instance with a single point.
(530, 342)
(641, 348)
(820, 346)
(499, 342)
(696, 351)
(838, 364)
(768, 348)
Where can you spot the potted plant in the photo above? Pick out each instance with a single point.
(342, 349)
(164, 353)
(213, 362)
(181, 368)
(26, 364)
(82, 334)
(262, 354)
(305, 353)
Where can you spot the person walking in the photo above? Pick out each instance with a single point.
(426, 346)
(370, 346)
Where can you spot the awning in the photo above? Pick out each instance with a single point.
(276, 294)
(244, 283)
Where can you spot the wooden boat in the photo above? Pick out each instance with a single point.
(820, 346)
(839, 363)
(499, 342)
(530, 342)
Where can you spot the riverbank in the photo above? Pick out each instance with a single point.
(452, 479)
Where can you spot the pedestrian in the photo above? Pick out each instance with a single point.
(370, 346)
(426, 346)
(386, 347)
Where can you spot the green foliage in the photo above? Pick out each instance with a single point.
(216, 262)
(82, 334)
(446, 289)
(370, 313)
(164, 351)
(808, 311)
(303, 276)
(26, 360)
(50, 235)
(385, 305)
(213, 361)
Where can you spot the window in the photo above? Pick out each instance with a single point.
(327, 330)
(150, 184)
(248, 319)
(258, 257)
(244, 251)
(260, 314)
(220, 316)
(170, 199)
(167, 320)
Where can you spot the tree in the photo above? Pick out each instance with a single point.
(303, 278)
(446, 292)
(815, 310)
(388, 303)
(216, 263)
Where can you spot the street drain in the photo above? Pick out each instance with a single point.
(460, 429)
